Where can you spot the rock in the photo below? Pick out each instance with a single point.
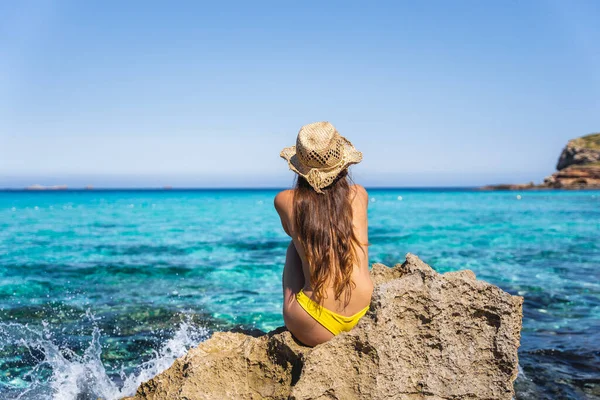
(578, 168)
(426, 336)
(578, 165)
(575, 177)
(581, 151)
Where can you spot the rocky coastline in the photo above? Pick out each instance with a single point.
(578, 167)
(427, 336)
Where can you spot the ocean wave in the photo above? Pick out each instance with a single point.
(59, 372)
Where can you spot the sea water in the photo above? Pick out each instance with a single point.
(101, 290)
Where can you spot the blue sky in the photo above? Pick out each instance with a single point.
(434, 93)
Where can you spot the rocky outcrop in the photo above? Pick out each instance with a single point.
(578, 165)
(426, 336)
(581, 151)
(575, 177)
(578, 168)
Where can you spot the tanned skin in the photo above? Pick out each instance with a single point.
(296, 273)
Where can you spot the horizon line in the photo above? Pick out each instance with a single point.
(210, 188)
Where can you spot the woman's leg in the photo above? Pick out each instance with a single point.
(297, 320)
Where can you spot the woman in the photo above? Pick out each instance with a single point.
(326, 283)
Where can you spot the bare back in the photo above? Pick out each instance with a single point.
(361, 292)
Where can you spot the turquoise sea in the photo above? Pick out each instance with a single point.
(100, 290)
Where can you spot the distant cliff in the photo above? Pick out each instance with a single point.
(578, 168)
(578, 165)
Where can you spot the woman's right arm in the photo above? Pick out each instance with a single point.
(282, 205)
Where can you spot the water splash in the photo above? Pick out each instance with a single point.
(61, 373)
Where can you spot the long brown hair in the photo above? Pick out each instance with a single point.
(323, 222)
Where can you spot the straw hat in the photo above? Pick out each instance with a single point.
(320, 154)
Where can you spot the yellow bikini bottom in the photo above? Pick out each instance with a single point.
(334, 323)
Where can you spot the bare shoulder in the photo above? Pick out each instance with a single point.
(360, 190)
(360, 194)
(283, 200)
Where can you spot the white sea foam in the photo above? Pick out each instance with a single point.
(83, 376)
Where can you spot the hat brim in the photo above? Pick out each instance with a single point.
(320, 178)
